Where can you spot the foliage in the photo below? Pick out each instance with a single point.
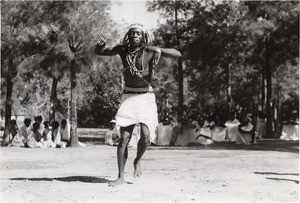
(224, 49)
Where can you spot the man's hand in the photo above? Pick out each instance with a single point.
(100, 46)
(101, 41)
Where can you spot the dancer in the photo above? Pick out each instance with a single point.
(138, 100)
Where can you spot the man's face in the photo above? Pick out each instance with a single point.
(135, 36)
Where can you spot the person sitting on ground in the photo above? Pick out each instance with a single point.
(164, 132)
(34, 139)
(246, 133)
(17, 140)
(39, 119)
(47, 135)
(218, 130)
(56, 136)
(47, 129)
(65, 129)
(26, 128)
(232, 127)
(290, 128)
(205, 134)
(10, 132)
(111, 136)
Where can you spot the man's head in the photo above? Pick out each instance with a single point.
(27, 122)
(63, 123)
(136, 36)
(38, 119)
(112, 124)
(54, 125)
(46, 124)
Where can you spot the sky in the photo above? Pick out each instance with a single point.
(134, 11)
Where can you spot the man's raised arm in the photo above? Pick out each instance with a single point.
(100, 49)
(165, 51)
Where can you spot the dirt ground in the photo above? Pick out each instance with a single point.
(223, 172)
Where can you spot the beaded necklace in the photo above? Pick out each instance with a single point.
(131, 60)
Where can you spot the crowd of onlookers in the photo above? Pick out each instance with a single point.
(195, 130)
(206, 130)
(37, 134)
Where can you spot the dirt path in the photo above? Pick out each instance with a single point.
(223, 172)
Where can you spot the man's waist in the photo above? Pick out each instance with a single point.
(137, 90)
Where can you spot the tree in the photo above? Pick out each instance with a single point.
(277, 25)
(178, 9)
(17, 45)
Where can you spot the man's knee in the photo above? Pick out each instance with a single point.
(145, 134)
(123, 142)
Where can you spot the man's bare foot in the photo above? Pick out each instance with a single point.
(137, 169)
(116, 182)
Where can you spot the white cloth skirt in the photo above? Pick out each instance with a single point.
(138, 108)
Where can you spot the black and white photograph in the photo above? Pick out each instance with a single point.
(149, 101)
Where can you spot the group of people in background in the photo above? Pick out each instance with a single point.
(39, 134)
(196, 130)
(206, 130)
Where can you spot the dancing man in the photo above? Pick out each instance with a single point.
(138, 100)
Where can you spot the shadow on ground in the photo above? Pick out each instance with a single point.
(262, 145)
(84, 179)
(280, 174)
(284, 179)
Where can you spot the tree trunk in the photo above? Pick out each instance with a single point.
(263, 97)
(53, 100)
(228, 90)
(180, 85)
(269, 90)
(73, 116)
(8, 101)
(180, 70)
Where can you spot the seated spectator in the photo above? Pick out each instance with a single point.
(246, 132)
(17, 138)
(10, 132)
(164, 132)
(39, 119)
(218, 130)
(56, 136)
(47, 128)
(112, 136)
(65, 129)
(290, 128)
(47, 136)
(205, 135)
(232, 127)
(34, 139)
(26, 128)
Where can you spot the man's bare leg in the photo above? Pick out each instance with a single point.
(141, 148)
(122, 153)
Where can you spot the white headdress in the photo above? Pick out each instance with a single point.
(146, 39)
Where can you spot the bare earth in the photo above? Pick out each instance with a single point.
(268, 171)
